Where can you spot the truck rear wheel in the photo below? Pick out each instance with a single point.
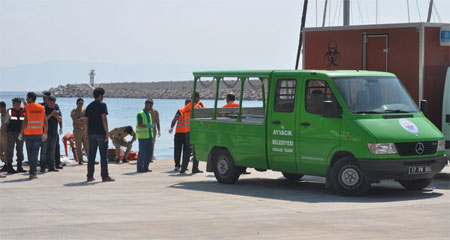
(418, 184)
(292, 176)
(348, 179)
(224, 170)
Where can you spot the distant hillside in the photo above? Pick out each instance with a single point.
(156, 90)
(44, 75)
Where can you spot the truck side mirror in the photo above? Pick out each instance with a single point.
(424, 106)
(331, 110)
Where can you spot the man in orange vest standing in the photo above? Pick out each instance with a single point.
(34, 127)
(180, 135)
(231, 101)
(186, 111)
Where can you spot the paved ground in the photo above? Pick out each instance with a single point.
(165, 205)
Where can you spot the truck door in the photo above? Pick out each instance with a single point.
(281, 125)
(317, 135)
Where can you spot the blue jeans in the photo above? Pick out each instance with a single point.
(97, 140)
(33, 143)
(145, 153)
(51, 146)
(187, 155)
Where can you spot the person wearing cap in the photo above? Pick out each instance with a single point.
(157, 128)
(79, 125)
(144, 134)
(14, 119)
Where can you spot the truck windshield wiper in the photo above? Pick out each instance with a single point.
(368, 112)
(395, 111)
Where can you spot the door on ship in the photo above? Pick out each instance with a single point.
(376, 52)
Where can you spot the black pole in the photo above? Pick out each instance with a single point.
(305, 5)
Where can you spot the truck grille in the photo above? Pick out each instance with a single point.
(414, 148)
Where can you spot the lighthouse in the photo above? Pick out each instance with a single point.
(91, 77)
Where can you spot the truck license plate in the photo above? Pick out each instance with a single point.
(419, 169)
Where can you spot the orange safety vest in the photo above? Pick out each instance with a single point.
(186, 111)
(181, 123)
(231, 105)
(36, 117)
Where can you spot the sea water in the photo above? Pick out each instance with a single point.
(122, 112)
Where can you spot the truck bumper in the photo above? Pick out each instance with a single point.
(399, 169)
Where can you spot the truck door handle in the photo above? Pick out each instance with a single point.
(276, 122)
(305, 124)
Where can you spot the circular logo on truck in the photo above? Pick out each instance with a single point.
(408, 125)
(420, 148)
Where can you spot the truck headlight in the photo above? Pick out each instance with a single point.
(441, 145)
(382, 148)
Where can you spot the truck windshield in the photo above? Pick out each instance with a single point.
(375, 95)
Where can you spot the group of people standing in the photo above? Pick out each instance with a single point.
(42, 119)
(37, 126)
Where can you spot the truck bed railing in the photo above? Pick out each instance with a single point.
(252, 114)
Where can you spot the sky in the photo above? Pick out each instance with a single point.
(190, 34)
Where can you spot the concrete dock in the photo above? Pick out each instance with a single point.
(166, 205)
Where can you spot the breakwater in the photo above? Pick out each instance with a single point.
(157, 90)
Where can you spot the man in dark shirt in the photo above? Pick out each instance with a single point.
(58, 165)
(98, 134)
(54, 117)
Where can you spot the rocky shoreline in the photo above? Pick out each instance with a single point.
(156, 90)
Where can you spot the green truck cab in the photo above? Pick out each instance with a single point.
(354, 128)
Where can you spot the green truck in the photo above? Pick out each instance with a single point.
(354, 128)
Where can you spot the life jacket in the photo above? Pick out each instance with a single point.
(36, 116)
(144, 133)
(181, 123)
(15, 119)
(187, 115)
(231, 105)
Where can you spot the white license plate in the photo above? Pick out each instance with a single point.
(419, 169)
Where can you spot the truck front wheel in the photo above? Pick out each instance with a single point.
(418, 184)
(347, 178)
(225, 170)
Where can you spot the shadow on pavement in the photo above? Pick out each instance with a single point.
(131, 173)
(305, 191)
(80, 184)
(16, 180)
(441, 181)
